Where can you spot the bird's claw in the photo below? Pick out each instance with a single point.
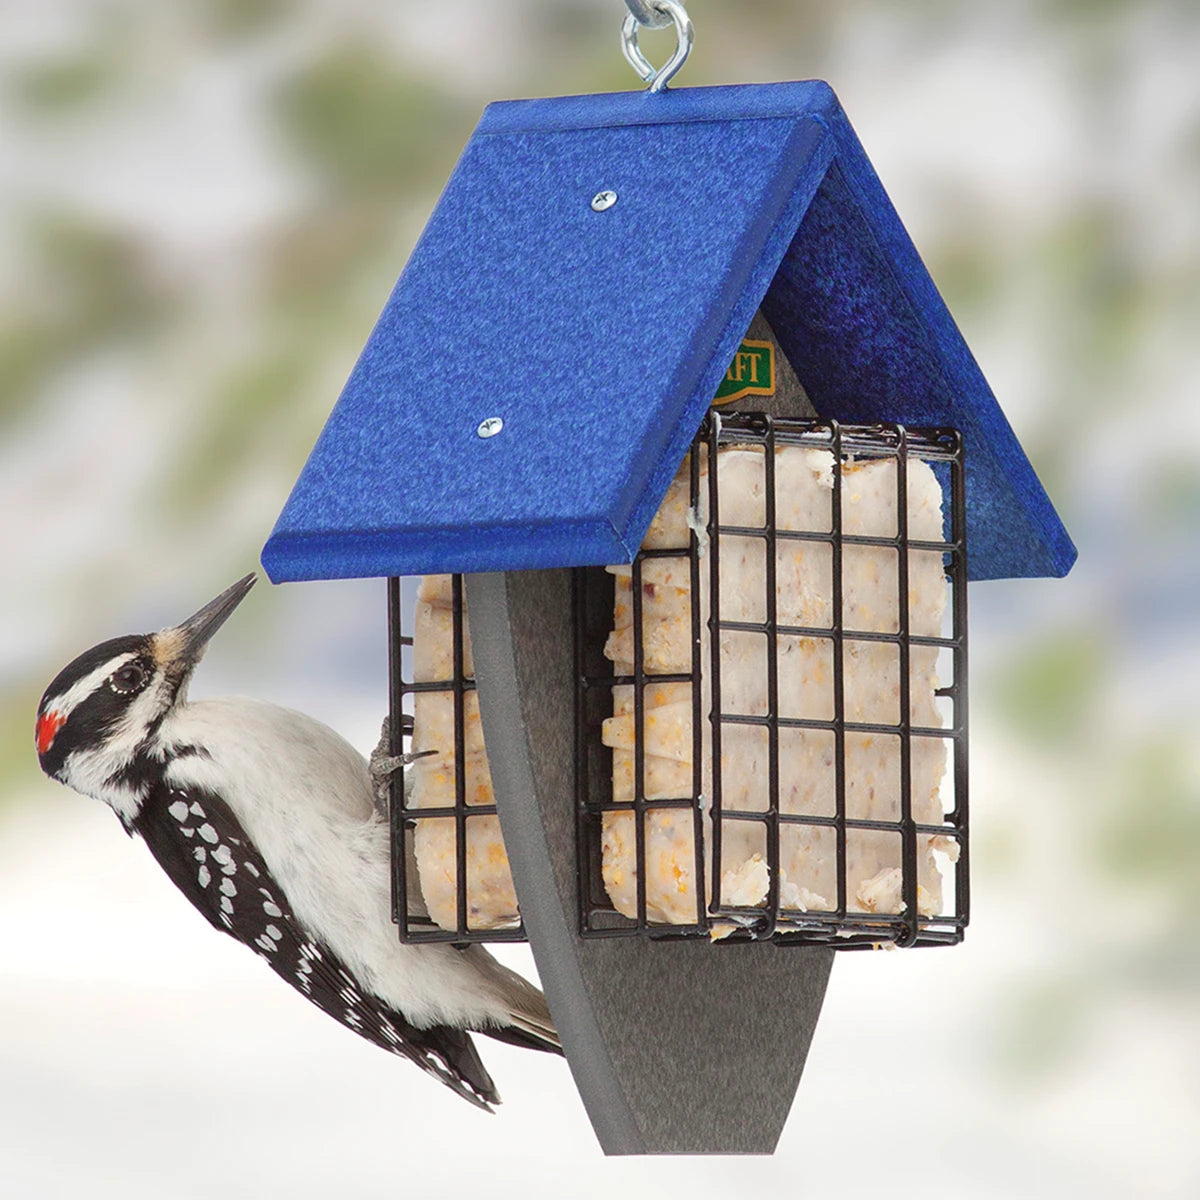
(383, 765)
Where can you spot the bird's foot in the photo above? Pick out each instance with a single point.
(383, 765)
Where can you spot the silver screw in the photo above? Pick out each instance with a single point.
(603, 200)
(490, 426)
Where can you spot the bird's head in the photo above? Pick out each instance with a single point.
(97, 720)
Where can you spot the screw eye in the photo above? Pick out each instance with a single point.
(128, 679)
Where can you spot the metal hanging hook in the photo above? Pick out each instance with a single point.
(656, 14)
(648, 14)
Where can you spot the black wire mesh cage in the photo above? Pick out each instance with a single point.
(443, 810)
(771, 715)
(773, 737)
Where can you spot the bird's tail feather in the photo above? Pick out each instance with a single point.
(450, 1054)
(527, 1037)
(529, 1022)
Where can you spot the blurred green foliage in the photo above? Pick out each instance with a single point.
(92, 287)
(18, 708)
(62, 86)
(364, 124)
(252, 398)
(237, 20)
(1149, 827)
(1048, 693)
(1046, 1023)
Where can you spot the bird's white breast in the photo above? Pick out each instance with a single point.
(303, 795)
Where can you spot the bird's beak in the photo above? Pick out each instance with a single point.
(185, 643)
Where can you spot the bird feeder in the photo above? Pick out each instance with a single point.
(691, 302)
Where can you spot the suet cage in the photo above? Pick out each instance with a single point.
(803, 783)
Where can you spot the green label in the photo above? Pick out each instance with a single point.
(752, 373)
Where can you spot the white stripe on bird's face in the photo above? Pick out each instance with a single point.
(81, 689)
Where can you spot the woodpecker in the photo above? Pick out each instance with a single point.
(267, 821)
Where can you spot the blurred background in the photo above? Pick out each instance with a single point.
(203, 206)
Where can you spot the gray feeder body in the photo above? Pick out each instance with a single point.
(520, 409)
(677, 1046)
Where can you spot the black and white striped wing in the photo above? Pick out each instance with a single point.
(202, 847)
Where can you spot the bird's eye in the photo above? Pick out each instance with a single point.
(128, 679)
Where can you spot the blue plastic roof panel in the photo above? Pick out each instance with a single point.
(600, 338)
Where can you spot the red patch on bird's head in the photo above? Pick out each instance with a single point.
(48, 725)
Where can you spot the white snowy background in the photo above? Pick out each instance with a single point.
(203, 207)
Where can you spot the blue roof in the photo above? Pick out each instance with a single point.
(600, 338)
